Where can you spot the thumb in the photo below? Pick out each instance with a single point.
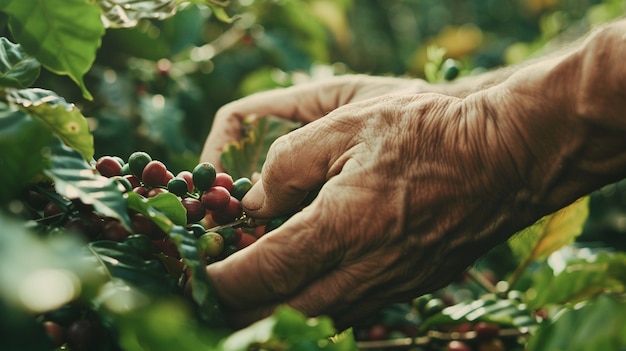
(296, 164)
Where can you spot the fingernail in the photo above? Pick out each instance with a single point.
(254, 198)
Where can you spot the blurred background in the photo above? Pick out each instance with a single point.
(158, 85)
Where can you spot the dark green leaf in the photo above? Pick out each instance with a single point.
(74, 178)
(598, 324)
(288, 329)
(63, 119)
(243, 158)
(124, 263)
(63, 35)
(201, 289)
(186, 243)
(17, 69)
(165, 325)
(24, 150)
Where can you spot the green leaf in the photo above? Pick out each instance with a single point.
(547, 235)
(127, 13)
(17, 69)
(186, 243)
(124, 263)
(165, 324)
(63, 35)
(169, 205)
(287, 329)
(24, 150)
(598, 324)
(74, 178)
(63, 119)
(144, 206)
(220, 14)
(505, 312)
(201, 289)
(243, 158)
(574, 279)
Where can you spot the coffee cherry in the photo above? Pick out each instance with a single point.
(451, 69)
(231, 235)
(203, 176)
(215, 198)
(114, 230)
(134, 181)
(84, 335)
(195, 210)
(144, 225)
(456, 345)
(177, 186)
(188, 177)
(225, 180)
(141, 191)
(229, 213)
(108, 166)
(55, 332)
(154, 174)
(137, 161)
(211, 244)
(241, 187)
(486, 331)
(156, 191)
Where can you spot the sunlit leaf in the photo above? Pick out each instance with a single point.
(62, 118)
(243, 158)
(599, 324)
(17, 69)
(127, 13)
(574, 279)
(504, 312)
(74, 178)
(63, 35)
(549, 234)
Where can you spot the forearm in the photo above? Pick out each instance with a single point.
(563, 121)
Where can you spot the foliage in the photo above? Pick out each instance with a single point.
(152, 73)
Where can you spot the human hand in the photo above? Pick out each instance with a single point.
(415, 188)
(303, 103)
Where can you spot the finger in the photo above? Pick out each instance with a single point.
(296, 164)
(276, 266)
(303, 103)
(339, 295)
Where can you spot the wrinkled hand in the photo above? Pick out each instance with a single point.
(303, 103)
(415, 188)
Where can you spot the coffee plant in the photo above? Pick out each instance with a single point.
(97, 251)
